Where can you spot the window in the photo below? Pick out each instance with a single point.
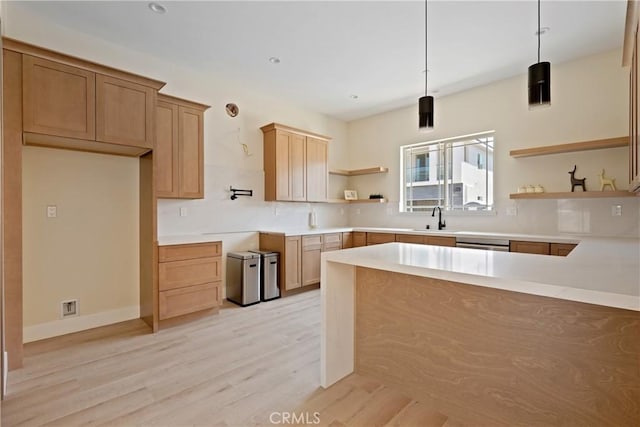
(466, 161)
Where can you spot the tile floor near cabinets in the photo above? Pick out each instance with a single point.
(258, 365)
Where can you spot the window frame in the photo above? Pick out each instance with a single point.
(444, 146)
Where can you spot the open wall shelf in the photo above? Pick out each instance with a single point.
(573, 195)
(597, 144)
(358, 201)
(354, 172)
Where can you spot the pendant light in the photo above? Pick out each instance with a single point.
(539, 78)
(425, 104)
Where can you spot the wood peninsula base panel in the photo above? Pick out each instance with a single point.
(499, 357)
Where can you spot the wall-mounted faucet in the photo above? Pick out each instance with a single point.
(441, 223)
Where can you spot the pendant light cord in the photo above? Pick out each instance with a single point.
(426, 49)
(538, 31)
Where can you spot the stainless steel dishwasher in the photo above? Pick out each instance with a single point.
(483, 243)
(243, 278)
(268, 275)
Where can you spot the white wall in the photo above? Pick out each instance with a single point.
(90, 251)
(589, 101)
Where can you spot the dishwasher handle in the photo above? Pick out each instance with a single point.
(497, 248)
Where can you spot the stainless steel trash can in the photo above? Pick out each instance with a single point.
(243, 278)
(268, 275)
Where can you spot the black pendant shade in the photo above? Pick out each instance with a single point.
(425, 112)
(540, 84)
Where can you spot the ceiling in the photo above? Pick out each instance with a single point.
(331, 50)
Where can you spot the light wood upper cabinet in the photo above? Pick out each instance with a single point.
(298, 167)
(58, 99)
(317, 171)
(166, 152)
(124, 112)
(191, 152)
(179, 152)
(295, 164)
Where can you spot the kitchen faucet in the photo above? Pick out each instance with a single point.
(441, 223)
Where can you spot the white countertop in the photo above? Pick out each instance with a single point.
(603, 271)
(210, 237)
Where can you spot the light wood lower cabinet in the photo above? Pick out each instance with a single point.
(359, 238)
(561, 249)
(311, 250)
(332, 242)
(378, 238)
(440, 241)
(347, 240)
(177, 302)
(410, 238)
(189, 278)
(539, 248)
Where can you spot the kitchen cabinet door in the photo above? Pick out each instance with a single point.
(378, 238)
(539, 248)
(125, 112)
(561, 249)
(347, 240)
(298, 167)
(58, 99)
(166, 151)
(634, 141)
(293, 262)
(359, 238)
(311, 253)
(317, 171)
(440, 241)
(410, 238)
(191, 152)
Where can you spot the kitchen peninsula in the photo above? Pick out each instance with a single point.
(507, 337)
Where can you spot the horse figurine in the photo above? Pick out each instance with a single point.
(604, 181)
(575, 182)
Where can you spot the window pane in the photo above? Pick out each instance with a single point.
(467, 164)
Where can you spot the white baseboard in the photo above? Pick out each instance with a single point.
(79, 323)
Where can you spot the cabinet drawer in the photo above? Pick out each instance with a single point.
(179, 274)
(331, 247)
(332, 238)
(409, 238)
(312, 242)
(376, 238)
(359, 238)
(440, 241)
(180, 252)
(177, 302)
(540, 248)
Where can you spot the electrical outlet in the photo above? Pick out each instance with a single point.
(616, 210)
(69, 308)
(341, 211)
(512, 211)
(358, 211)
(52, 211)
(183, 211)
(389, 210)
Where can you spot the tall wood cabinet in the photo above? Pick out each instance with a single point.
(179, 148)
(295, 164)
(630, 57)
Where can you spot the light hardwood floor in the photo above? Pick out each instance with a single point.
(233, 369)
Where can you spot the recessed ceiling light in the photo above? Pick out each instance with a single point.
(274, 60)
(353, 96)
(543, 31)
(157, 8)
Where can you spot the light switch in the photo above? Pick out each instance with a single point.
(52, 211)
(616, 210)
